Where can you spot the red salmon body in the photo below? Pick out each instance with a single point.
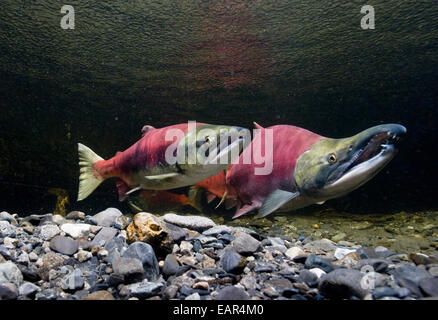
(289, 142)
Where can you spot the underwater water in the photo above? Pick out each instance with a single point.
(309, 64)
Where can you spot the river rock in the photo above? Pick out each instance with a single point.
(420, 258)
(107, 217)
(245, 244)
(8, 291)
(75, 215)
(342, 252)
(145, 289)
(232, 262)
(28, 289)
(5, 216)
(73, 281)
(349, 260)
(314, 261)
(130, 268)
(145, 253)
(217, 230)
(177, 234)
(318, 272)
(5, 228)
(379, 265)
(381, 292)
(64, 245)
(408, 275)
(321, 247)
(105, 235)
(171, 265)
(197, 223)
(429, 286)
(76, 230)
(146, 227)
(100, 295)
(232, 293)
(9, 272)
(50, 261)
(342, 283)
(294, 252)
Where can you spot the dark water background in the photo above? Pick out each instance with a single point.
(131, 63)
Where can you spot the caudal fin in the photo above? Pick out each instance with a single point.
(88, 177)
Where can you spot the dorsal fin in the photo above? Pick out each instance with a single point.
(257, 125)
(146, 129)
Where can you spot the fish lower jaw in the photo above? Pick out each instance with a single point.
(358, 175)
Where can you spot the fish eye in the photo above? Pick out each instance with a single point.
(350, 148)
(331, 158)
(207, 139)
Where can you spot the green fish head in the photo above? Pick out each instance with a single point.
(334, 167)
(209, 149)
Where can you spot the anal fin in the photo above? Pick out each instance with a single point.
(275, 200)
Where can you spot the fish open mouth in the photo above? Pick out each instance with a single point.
(370, 156)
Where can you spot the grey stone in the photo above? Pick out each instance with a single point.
(307, 277)
(48, 231)
(145, 253)
(246, 244)
(5, 216)
(191, 222)
(145, 289)
(411, 273)
(429, 286)
(28, 289)
(105, 235)
(176, 233)
(48, 294)
(384, 292)
(8, 291)
(171, 265)
(9, 272)
(320, 247)
(73, 281)
(342, 283)
(294, 252)
(217, 230)
(314, 261)
(170, 292)
(5, 228)
(342, 252)
(232, 293)
(232, 262)
(64, 245)
(130, 268)
(379, 265)
(107, 217)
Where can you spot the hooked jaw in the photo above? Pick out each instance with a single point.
(372, 152)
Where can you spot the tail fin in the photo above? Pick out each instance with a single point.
(88, 180)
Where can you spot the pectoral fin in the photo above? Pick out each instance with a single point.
(163, 176)
(133, 190)
(275, 200)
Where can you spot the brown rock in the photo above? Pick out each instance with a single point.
(50, 261)
(348, 260)
(100, 295)
(146, 227)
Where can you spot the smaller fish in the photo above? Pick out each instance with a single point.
(144, 165)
